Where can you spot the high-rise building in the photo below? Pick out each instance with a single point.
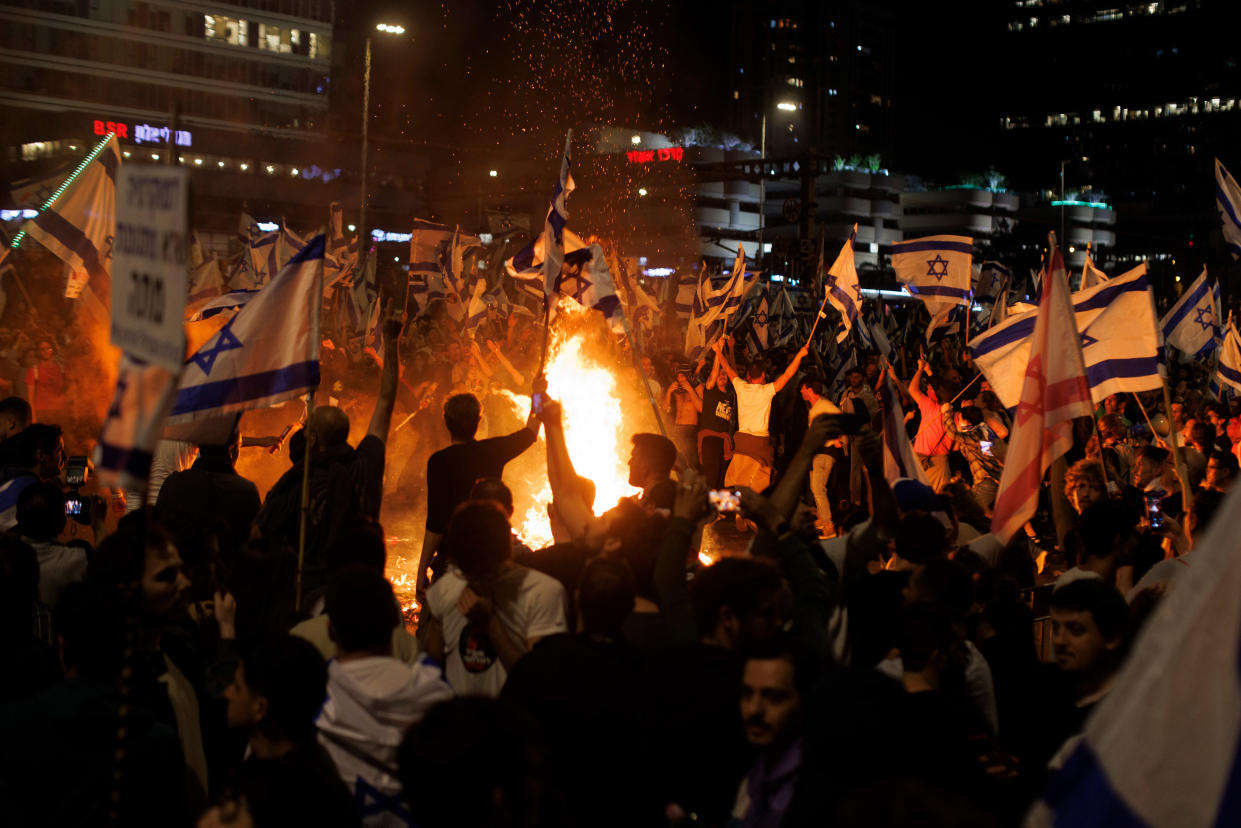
(239, 92)
(820, 74)
(1125, 104)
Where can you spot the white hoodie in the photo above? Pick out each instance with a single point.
(371, 703)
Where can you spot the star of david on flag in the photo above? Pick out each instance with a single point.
(941, 281)
(224, 340)
(267, 353)
(1192, 324)
(937, 267)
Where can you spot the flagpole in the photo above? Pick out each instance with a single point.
(316, 311)
(1187, 493)
(1085, 264)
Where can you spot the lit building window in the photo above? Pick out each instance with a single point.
(226, 29)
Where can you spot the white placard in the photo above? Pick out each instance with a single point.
(149, 263)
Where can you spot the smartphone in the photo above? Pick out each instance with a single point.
(73, 506)
(725, 500)
(536, 402)
(76, 468)
(1154, 511)
(985, 445)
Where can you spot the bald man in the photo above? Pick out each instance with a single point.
(346, 483)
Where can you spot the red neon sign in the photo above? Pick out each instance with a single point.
(104, 127)
(651, 156)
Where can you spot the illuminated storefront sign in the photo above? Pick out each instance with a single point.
(143, 133)
(651, 156)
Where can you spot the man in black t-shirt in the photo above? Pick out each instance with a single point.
(453, 471)
(715, 427)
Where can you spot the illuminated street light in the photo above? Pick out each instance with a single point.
(245, 167)
(155, 156)
(787, 106)
(642, 191)
(637, 139)
(493, 173)
(389, 29)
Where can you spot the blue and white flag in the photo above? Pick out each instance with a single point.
(341, 256)
(557, 218)
(783, 320)
(267, 353)
(899, 460)
(937, 270)
(527, 264)
(1119, 339)
(756, 340)
(206, 283)
(1229, 368)
(427, 243)
(591, 286)
(1163, 746)
(687, 286)
(134, 423)
(229, 302)
(1091, 275)
(364, 295)
(9, 492)
(78, 222)
(841, 284)
(713, 306)
(992, 285)
(1192, 325)
(1228, 202)
(476, 310)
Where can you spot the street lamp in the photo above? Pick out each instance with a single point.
(389, 29)
(783, 106)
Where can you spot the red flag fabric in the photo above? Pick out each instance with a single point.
(1054, 393)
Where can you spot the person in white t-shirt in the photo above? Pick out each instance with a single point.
(486, 612)
(752, 454)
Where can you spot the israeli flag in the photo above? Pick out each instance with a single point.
(713, 306)
(232, 301)
(557, 219)
(1163, 746)
(1229, 368)
(687, 286)
(841, 284)
(1091, 275)
(991, 286)
(476, 311)
(1228, 201)
(1192, 325)
(527, 264)
(783, 319)
(267, 353)
(937, 270)
(1119, 338)
(756, 340)
(134, 423)
(78, 224)
(427, 242)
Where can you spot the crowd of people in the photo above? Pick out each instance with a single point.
(867, 655)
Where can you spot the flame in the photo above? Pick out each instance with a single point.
(597, 429)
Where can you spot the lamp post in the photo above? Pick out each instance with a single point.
(363, 233)
(783, 106)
